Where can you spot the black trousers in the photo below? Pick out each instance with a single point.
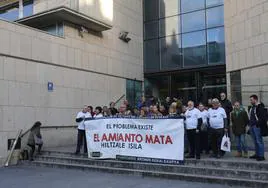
(81, 140)
(33, 149)
(204, 145)
(215, 138)
(194, 142)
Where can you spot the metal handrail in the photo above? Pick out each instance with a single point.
(13, 148)
(119, 99)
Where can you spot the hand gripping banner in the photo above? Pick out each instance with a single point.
(152, 138)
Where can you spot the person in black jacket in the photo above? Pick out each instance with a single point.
(258, 126)
(227, 106)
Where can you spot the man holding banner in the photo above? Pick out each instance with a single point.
(193, 124)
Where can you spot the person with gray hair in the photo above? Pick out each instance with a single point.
(193, 124)
(217, 122)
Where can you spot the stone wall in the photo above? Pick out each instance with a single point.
(246, 36)
(85, 70)
(101, 10)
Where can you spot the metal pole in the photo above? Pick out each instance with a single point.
(12, 149)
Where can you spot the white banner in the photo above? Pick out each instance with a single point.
(152, 138)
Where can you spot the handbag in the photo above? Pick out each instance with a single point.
(38, 141)
(226, 143)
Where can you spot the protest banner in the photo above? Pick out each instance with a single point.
(152, 138)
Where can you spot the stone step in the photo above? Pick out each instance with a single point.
(158, 174)
(186, 169)
(247, 164)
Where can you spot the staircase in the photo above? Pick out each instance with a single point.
(234, 172)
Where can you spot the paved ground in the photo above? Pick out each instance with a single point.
(33, 177)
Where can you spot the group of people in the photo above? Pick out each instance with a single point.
(205, 125)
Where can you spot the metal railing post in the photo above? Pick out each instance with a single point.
(13, 148)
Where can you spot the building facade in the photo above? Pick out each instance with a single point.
(246, 31)
(58, 55)
(184, 49)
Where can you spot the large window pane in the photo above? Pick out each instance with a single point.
(157, 86)
(190, 5)
(28, 9)
(151, 30)
(193, 21)
(54, 29)
(184, 86)
(216, 45)
(133, 91)
(151, 10)
(170, 26)
(151, 55)
(169, 8)
(170, 52)
(235, 79)
(10, 14)
(210, 3)
(194, 48)
(215, 17)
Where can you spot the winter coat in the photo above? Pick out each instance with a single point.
(34, 132)
(227, 105)
(239, 120)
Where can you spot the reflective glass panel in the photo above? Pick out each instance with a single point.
(151, 55)
(193, 21)
(151, 10)
(170, 26)
(194, 48)
(210, 3)
(151, 30)
(216, 45)
(28, 9)
(169, 8)
(215, 17)
(10, 14)
(170, 49)
(191, 5)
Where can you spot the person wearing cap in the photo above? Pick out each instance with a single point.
(217, 121)
(81, 134)
(193, 124)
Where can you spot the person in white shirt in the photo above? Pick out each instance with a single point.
(204, 129)
(193, 124)
(98, 112)
(217, 121)
(81, 135)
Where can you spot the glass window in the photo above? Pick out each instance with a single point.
(191, 5)
(170, 49)
(151, 30)
(133, 92)
(215, 17)
(151, 10)
(169, 8)
(235, 79)
(28, 9)
(184, 86)
(210, 3)
(55, 29)
(170, 26)
(151, 55)
(157, 86)
(194, 48)
(216, 45)
(193, 21)
(11, 12)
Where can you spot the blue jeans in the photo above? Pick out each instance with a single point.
(241, 143)
(257, 139)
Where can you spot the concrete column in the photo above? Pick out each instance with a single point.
(20, 9)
